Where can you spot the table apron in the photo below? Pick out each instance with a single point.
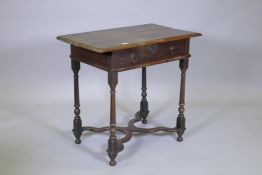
(126, 59)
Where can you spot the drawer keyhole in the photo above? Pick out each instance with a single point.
(153, 48)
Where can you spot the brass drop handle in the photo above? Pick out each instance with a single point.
(133, 58)
(172, 50)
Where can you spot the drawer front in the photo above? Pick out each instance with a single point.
(148, 55)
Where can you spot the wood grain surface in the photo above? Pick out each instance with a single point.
(125, 37)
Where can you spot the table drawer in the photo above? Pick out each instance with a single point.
(148, 55)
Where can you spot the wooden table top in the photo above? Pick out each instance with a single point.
(125, 37)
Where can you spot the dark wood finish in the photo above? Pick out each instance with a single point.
(132, 58)
(98, 60)
(144, 104)
(148, 55)
(183, 65)
(125, 37)
(112, 142)
(77, 123)
(181, 118)
(122, 49)
(128, 131)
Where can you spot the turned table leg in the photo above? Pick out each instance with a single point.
(183, 65)
(77, 130)
(144, 104)
(112, 142)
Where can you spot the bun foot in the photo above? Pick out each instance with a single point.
(179, 139)
(112, 163)
(77, 141)
(144, 121)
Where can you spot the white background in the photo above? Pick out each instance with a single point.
(224, 82)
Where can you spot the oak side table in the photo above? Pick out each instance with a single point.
(121, 49)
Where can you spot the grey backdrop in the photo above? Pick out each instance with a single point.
(224, 84)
